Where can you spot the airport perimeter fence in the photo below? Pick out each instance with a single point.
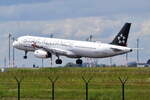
(86, 82)
(75, 84)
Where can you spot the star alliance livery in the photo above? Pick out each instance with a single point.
(46, 47)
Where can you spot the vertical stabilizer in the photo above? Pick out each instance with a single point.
(122, 37)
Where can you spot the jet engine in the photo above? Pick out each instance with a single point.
(42, 54)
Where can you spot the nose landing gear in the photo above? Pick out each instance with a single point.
(25, 57)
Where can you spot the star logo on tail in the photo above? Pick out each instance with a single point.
(121, 39)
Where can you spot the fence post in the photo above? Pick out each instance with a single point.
(53, 81)
(123, 82)
(86, 81)
(18, 84)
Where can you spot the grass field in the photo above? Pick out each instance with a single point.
(105, 84)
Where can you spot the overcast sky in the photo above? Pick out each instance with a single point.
(74, 19)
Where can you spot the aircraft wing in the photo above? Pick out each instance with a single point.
(63, 52)
(58, 51)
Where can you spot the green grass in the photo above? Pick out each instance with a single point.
(105, 84)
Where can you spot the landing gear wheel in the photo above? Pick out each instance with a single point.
(25, 57)
(79, 61)
(58, 61)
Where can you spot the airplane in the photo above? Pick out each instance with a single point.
(46, 47)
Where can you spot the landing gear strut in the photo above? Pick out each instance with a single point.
(79, 61)
(25, 57)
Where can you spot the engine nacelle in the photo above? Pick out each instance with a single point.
(42, 54)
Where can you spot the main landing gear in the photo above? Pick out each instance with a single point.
(58, 61)
(25, 57)
(79, 61)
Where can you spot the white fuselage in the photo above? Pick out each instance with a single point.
(70, 48)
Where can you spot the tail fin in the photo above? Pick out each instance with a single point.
(122, 37)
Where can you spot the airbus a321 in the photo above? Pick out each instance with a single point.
(46, 47)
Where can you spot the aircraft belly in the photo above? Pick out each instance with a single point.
(96, 53)
(87, 53)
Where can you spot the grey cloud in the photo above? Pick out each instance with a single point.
(80, 27)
